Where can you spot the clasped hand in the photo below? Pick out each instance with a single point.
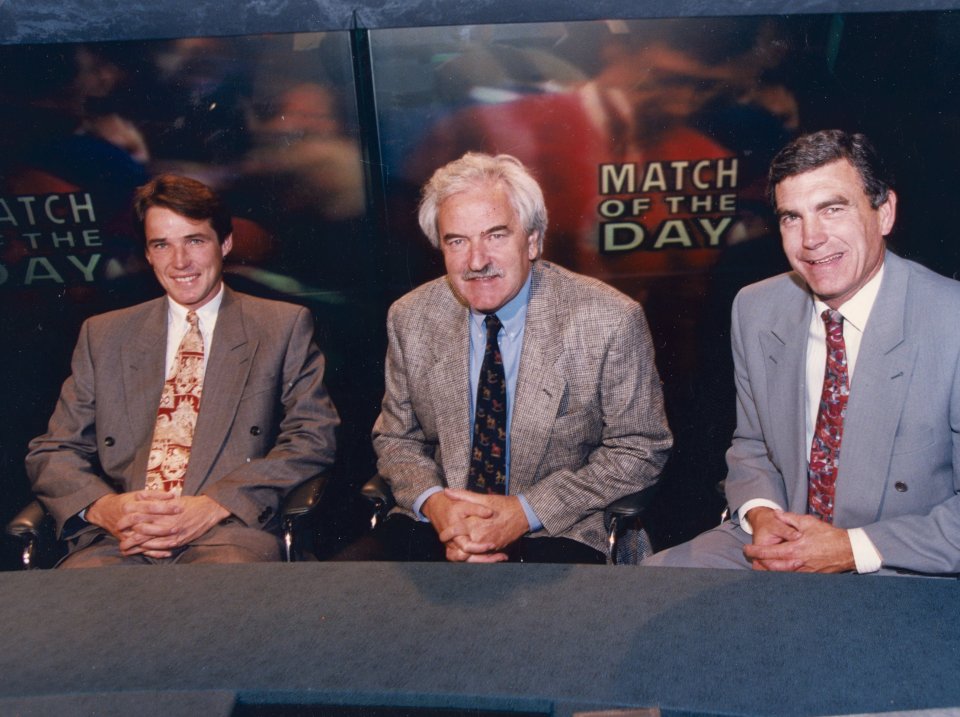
(475, 527)
(155, 523)
(791, 542)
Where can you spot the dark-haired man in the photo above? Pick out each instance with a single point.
(187, 418)
(846, 455)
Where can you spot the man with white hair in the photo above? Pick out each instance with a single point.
(521, 398)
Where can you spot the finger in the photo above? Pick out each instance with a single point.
(466, 496)
(157, 529)
(454, 530)
(465, 510)
(487, 558)
(795, 521)
(780, 551)
(150, 495)
(154, 507)
(455, 555)
(782, 566)
(157, 553)
(161, 544)
(466, 545)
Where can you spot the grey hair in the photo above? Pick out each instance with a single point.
(474, 170)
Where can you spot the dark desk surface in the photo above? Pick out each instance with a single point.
(503, 637)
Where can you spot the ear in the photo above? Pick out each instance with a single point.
(227, 244)
(888, 213)
(533, 246)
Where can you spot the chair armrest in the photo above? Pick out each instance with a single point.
(304, 499)
(29, 523)
(33, 528)
(629, 507)
(301, 503)
(377, 493)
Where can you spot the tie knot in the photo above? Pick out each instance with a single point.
(493, 324)
(833, 322)
(831, 318)
(193, 319)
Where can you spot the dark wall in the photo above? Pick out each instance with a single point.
(88, 21)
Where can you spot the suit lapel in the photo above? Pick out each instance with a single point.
(142, 362)
(877, 395)
(450, 382)
(228, 365)
(784, 349)
(540, 387)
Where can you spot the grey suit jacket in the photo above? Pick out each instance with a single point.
(899, 474)
(266, 422)
(588, 422)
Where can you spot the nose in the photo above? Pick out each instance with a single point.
(813, 234)
(477, 256)
(180, 257)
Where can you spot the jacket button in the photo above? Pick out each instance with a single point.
(900, 486)
(108, 441)
(254, 430)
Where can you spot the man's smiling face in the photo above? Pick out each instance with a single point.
(831, 235)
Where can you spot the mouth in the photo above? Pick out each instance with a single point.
(486, 274)
(185, 279)
(825, 260)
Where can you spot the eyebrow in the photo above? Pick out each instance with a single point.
(838, 199)
(185, 236)
(831, 201)
(485, 232)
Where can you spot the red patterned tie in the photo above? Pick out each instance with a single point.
(828, 432)
(488, 463)
(177, 415)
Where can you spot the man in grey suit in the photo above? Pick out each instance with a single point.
(855, 467)
(583, 423)
(137, 468)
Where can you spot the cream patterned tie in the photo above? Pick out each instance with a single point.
(177, 414)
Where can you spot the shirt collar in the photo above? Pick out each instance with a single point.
(856, 310)
(206, 313)
(513, 314)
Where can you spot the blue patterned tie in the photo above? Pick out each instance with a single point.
(488, 462)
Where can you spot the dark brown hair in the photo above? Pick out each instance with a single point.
(186, 197)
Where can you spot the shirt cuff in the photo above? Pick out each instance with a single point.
(865, 553)
(532, 518)
(421, 499)
(750, 505)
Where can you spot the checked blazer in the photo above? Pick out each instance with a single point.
(588, 421)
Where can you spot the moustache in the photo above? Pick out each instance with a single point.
(487, 272)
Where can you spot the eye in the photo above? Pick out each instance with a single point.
(787, 219)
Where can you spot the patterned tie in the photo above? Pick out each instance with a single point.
(177, 415)
(828, 432)
(488, 464)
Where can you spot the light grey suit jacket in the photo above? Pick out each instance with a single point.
(588, 423)
(266, 422)
(899, 474)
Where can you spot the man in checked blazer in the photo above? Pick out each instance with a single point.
(585, 418)
(895, 505)
(265, 421)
